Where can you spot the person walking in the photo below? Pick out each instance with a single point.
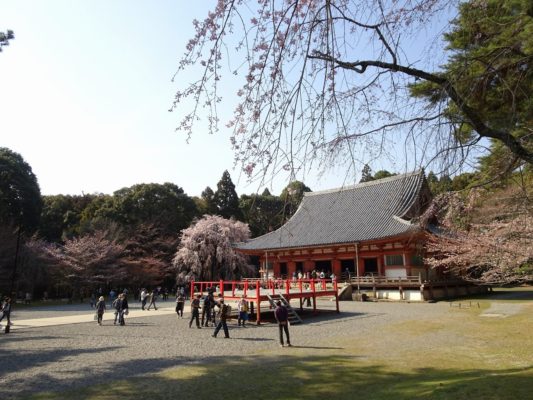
(112, 295)
(222, 320)
(242, 307)
(117, 305)
(6, 312)
(123, 309)
(100, 309)
(144, 297)
(282, 317)
(153, 298)
(180, 304)
(209, 304)
(92, 300)
(195, 311)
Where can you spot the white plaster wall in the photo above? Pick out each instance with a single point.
(411, 295)
(396, 273)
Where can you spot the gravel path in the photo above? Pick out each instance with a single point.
(69, 356)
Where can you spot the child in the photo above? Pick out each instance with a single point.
(100, 309)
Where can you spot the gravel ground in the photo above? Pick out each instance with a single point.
(70, 356)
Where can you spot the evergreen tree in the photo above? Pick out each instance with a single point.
(381, 174)
(20, 195)
(226, 199)
(366, 174)
(208, 198)
(263, 213)
(491, 45)
(292, 196)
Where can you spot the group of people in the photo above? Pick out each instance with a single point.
(211, 309)
(314, 274)
(120, 304)
(209, 314)
(148, 297)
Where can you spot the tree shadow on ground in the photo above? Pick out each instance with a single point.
(290, 376)
(19, 359)
(502, 294)
(308, 316)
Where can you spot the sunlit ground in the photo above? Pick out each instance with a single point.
(469, 353)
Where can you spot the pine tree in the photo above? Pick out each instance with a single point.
(208, 197)
(366, 174)
(226, 199)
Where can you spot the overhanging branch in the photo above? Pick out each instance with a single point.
(471, 115)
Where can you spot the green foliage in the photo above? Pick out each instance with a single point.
(62, 216)
(381, 174)
(490, 66)
(437, 186)
(166, 206)
(263, 213)
(209, 205)
(366, 174)
(20, 195)
(292, 196)
(226, 198)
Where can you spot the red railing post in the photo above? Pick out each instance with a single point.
(335, 287)
(221, 283)
(192, 290)
(313, 289)
(258, 300)
(288, 287)
(245, 287)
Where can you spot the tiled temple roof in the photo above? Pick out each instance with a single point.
(368, 211)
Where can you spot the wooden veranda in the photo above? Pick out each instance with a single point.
(259, 291)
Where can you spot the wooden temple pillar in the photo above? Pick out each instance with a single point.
(276, 269)
(309, 265)
(291, 268)
(336, 267)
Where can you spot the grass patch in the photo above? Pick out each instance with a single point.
(314, 377)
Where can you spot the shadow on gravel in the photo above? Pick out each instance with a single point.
(18, 360)
(297, 376)
(511, 295)
(320, 316)
(317, 347)
(254, 339)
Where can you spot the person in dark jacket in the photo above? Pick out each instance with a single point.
(180, 304)
(282, 316)
(121, 308)
(209, 304)
(195, 312)
(6, 312)
(222, 320)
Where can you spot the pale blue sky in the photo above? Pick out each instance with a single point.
(85, 92)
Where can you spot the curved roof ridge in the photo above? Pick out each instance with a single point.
(365, 184)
